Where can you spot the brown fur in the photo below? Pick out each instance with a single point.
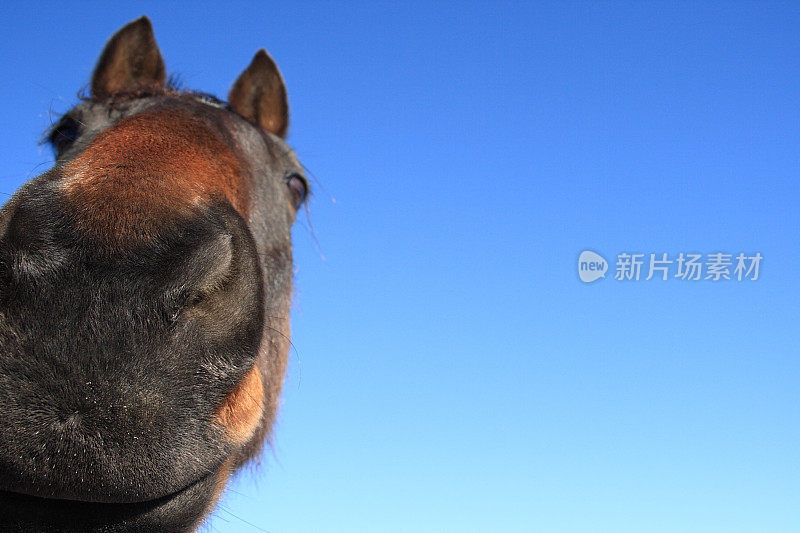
(130, 61)
(241, 413)
(259, 95)
(149, 169)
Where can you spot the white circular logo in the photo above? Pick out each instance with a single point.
(591, 266)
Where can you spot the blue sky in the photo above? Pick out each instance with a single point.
(451, 372)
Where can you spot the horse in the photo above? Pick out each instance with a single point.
(145, 289)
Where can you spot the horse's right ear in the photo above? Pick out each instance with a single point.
(130, 62)
(260, 95)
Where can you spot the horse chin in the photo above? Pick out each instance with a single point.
(180, 511)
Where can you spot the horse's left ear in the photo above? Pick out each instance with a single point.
(260, 95)
(130, 62)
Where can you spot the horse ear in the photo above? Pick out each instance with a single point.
(260, 95)
(130, 62)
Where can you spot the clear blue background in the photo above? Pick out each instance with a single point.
(450, 371)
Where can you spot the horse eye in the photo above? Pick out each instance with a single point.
(64, 135)
(299, 189)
